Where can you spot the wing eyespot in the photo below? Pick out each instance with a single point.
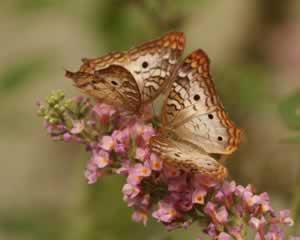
(196, 97)
(114, 83)
(145, 64)
(220, 138)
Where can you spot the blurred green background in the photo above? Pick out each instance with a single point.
(255, 53)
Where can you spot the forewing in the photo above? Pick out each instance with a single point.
(150, 64)
(114, 85)
(184, 156)
(193, 110)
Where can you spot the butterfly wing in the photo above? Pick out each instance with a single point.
(150, 64)
(114, 85)
(187, 157)
(193, 110)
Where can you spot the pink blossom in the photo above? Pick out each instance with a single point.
(170, 171)
(130, 191)
(210, 209)
(145, 200)
(137, 173)
(91, 176)
(257, 223)
(241, 190)
(200, 238)
(140, 216)
(284, 216)
(165, 212)
(78, 127)
(294, 238)
(236, 231)
(265, 203)
(141, 201)
(224, 236)
(104, 112)
(67, 137)
(250, 199)
(144, 131)
(222, 215)
(177, 184)
(124, 169)
(90, 172)
(101, 158)
(187, 223)
(211, 230)
(107, 143)
(184, 203)
(275, 233)
(121, 136)
(199, 195)
(142, 170)
(204, 180)
(220, 196)
(156, 163)
(228, 188)
(119, 148)
(141, 153)
(148, 132)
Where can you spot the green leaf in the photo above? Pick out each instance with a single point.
(289, 109)
(19, 74)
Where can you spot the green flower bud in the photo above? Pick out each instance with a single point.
(61, 94)
(40, 113)
(56, 106)
(62, 109)
(53, 120)
(68, 103)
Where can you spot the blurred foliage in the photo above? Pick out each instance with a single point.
(29, 7)
(295, 205)
(289, 109)
(102, 213)
(137, 19)
(117, 25)
(248, 82)
(38, 224)
(20, 73)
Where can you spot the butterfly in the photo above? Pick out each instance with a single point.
(194, 124)
(131, 79)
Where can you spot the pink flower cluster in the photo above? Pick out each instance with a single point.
(174, 197)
